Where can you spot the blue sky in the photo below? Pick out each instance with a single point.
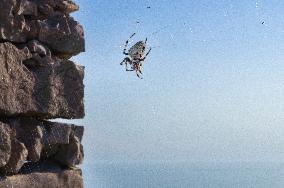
(213, 84)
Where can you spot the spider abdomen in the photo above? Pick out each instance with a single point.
(137, 50)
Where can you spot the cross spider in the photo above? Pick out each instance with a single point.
(136, 56)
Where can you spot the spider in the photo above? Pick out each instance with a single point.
(135, 56)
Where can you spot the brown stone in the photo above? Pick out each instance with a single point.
(66, 6)
(12, 24)
(45, 176)
(17, 159)
(30, 140)
(49, 140)
(62, 34)
(51, 91)
(38, 82)
(20, 22)
(5, 144)
(70, 154)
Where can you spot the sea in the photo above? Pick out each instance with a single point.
(184, 175)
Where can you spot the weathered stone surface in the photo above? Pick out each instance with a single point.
(59, 90)
(17, 159)
(27, 8)
(52, 90)
(62, 34)
(47, 21)
(66, 6)
(38, 82)
(70, 154)
(47, 175)
(12, 25)
(34, 141)
(36, 47)
(48, 7)
(31, 136)
(5, 144)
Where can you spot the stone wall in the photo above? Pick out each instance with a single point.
(38, 82)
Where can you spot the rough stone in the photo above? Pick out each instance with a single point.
(30, 140)
(12, 25)
(62, 34)
(19, 22)
(38, 82)
(70, 154)
(39, 48)
(47, 140)
(5, 144)
(51, 91)
(27, 8)
(47, 7)
(17, 159)
(47, 175)
(66, 6)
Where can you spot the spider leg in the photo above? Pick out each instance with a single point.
(138, 75)
(132, 35)
(126, 43)
(122, 61)
(144, 47)
(146, 54)
(126, 61)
